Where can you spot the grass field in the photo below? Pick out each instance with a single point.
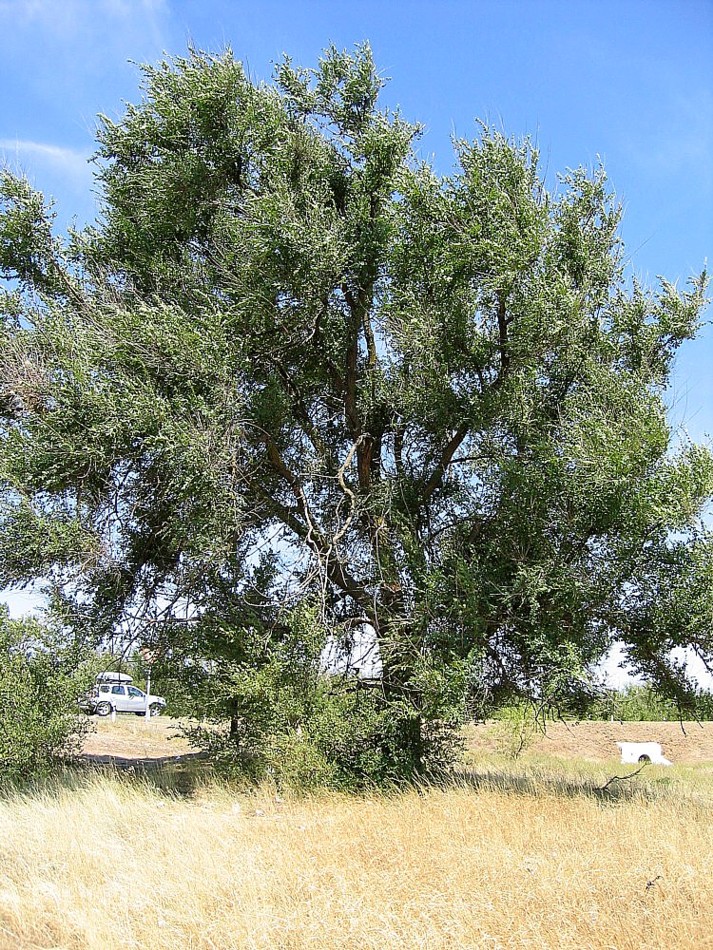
(531, 853)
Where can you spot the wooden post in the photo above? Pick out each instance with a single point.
(147, 712)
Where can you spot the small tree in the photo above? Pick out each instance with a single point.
(292, 362)
(40, 683)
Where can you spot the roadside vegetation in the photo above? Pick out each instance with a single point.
(640, 703)
(40, 679)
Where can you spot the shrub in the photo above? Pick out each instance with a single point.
(40, 681)
(516, 728)
(277, 714)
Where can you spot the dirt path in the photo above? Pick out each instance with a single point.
(132, 737)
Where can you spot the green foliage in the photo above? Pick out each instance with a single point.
(644, 704)
(26, 245)
(516, 727)
(292, 365)
(40, 683)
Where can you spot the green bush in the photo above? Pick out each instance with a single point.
(40, 681)
(278, 715)
(345, 736)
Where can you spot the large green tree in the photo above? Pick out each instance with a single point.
(291, 362)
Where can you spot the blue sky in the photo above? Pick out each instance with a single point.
(627, 81)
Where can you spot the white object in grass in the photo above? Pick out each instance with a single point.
(643, 752)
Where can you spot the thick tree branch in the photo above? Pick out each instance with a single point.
(350, 369)
(311, 533)
(289, 476)
(302, 415)
(436, 479)
(359, 320)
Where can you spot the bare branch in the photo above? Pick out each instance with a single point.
(623, 778)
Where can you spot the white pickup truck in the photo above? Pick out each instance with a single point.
(113, 692)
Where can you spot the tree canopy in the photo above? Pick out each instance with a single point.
(291, 364)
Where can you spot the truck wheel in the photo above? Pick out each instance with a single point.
(155, 709)
(103, 709)
(644, 758)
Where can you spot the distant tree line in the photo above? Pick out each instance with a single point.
(641, 703)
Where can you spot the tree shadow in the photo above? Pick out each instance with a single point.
(172, 774)
(617, 788)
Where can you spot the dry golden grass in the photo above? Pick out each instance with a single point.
(526, 855)
(684, 743)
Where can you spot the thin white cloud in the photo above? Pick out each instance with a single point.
(52, 11)
(68, 162)
(685, 144)
(120, 20)
(25, 9)
(20, 603)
